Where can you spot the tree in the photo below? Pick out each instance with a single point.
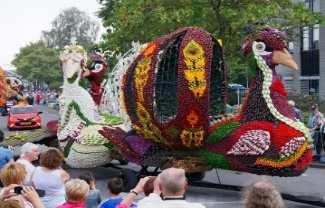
(37, 62)
(71, 25)
(144, 20)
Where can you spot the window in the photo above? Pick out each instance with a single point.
(310, 35)
(309, 4)
(305, 39)
(313, 86)
(310, 86)
(316, 37)
(310, 63)
(316, 5)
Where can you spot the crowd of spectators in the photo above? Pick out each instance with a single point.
(49, 186)
(39, 97)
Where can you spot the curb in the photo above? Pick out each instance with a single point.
(317, 165)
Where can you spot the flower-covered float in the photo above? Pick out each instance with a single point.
(80, 119)
(171, 94)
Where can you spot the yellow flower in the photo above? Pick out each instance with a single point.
(193, 50)
(141, 76)
(195, 62)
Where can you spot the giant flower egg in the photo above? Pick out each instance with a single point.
(175, 89)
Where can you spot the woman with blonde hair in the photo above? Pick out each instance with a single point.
(76, 193)
(12, 176)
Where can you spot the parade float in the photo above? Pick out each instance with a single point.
(3, 89)
(10, 88)
(169, 97)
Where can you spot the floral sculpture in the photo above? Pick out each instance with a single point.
(171, 95)
(95, 74)
(80, 119)
(3, 88)
(174, 93)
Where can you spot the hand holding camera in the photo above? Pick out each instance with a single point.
(28, 189)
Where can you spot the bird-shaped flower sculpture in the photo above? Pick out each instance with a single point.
(270, 140)
(173, 92)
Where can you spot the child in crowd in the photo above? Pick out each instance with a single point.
(262, 194)
(93, 197)
(115, 187)
(76, 191)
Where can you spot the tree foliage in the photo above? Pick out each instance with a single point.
(71, 25)
(144, 20)
(38, 62)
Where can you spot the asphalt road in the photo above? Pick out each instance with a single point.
(308, 186)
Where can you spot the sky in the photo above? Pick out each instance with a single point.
(22, 21)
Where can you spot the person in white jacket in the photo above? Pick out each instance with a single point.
(28, 153)
(169, 191)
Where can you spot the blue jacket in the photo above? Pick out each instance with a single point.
(5, 156)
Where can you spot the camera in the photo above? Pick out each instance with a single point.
(19, 189)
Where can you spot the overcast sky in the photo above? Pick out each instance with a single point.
(21, 22)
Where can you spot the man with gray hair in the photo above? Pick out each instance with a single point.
(28, 153)
(173, 183)
(169, 191)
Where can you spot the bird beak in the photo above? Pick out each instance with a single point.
(284, 58)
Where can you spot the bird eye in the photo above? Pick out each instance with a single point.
(98, 66)
(260, 48)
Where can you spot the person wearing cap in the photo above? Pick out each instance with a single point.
(29, 152)
(296, 110)
(315, 121)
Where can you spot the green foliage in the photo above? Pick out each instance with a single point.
(111, 119)
(75, 106)
(222, 132)
(173, 132)
(109, 146)
(215, 160)
(145, 20)
(19, 138)
(38, 62)
(71, 24)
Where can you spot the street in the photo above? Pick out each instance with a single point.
(309, 185)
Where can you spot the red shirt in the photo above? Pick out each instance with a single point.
(73, 205)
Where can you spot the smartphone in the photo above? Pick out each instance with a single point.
(19, 189)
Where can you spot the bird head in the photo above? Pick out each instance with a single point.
(271, 44)
(98, 62)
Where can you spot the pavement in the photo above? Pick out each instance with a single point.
(309, 186)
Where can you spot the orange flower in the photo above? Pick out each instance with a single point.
(285, 163)
(150, 49)
(192, 118)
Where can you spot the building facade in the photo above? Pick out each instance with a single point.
(309, 52)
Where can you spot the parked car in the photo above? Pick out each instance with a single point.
(5, 110)
(24, 117)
